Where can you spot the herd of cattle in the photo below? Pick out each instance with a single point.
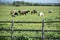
(24, 12)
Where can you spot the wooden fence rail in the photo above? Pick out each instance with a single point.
(30, 30)
(13, 30)
(28, 22)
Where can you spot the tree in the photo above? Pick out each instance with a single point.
(14, 3)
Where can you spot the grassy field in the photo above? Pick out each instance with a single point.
(55, 15)
(5, 11)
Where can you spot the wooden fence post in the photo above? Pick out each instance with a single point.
(43, 29)
(12, 29)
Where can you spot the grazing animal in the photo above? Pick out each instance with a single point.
(33, 11)
(23, 12)
(41, 14)
(50, 11)
(13, 13)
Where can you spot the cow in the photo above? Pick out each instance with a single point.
(16, 13)
(13, 13)
(50, 11)
(33, 11)
(41, 14)
(23, 12)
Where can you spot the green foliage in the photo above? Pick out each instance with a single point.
(3, 38)
(22, 38)
(52, 35)
(58, 18)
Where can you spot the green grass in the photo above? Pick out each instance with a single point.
(5, 13)
(5, 16)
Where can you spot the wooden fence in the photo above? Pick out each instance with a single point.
(12, 29)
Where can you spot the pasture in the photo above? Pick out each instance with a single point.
(55, 15)
(5, 13)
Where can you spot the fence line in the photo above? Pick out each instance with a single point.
(30, 30)
(12, 28)
(28, 22)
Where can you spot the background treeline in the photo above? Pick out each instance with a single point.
(22, 3)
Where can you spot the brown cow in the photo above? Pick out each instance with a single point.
(23, 12)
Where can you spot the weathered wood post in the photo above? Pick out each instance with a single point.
(42, 29)
(12, 29)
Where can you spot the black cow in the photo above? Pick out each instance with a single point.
(33, 11)
(15, 13)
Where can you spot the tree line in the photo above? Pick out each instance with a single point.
(22, 3)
